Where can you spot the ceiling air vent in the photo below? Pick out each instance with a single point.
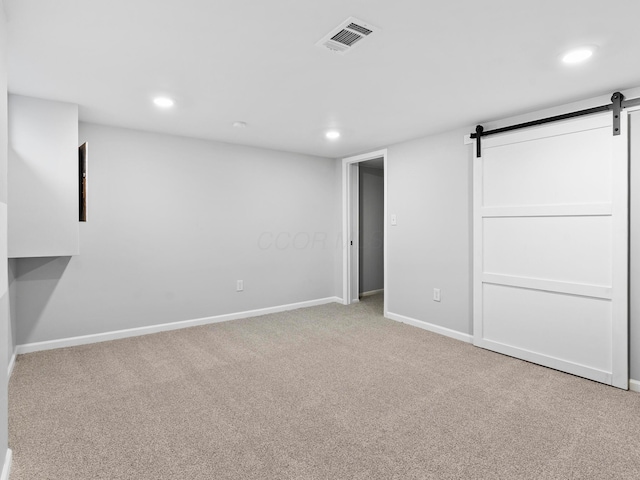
(346, 36)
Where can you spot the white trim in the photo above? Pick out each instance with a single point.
(354, 230)
(555, 129)
(346, 297)
(447, 332)
(634, 385)
(580, 289)
(12, 362)
(478, 235)
(134, 332)
(363, 157)
(584, 210)
(385, 260)
(632, 109)
(346, 257)
(547, 361)
(6, 469)
(371, 292)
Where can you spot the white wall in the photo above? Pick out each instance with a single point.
(4, 293)
(371, 219)
(43, 177)
(429, 190)
(172, 224)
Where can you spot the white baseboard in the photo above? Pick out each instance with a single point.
(634, 385)
(447, 332)
(371, 292)
(134, 332)
(12, 362)
(6, 469)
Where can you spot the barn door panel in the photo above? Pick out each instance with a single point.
(550, 247)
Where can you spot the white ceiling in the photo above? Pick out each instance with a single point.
(436, 65)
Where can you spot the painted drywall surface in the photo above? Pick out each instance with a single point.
(43, 176)
(634, 267)
(4, 291)
(429, 191)
(173, 223)
(371, 218)
(339, 244)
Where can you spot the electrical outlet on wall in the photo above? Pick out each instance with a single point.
(239, 286)
(436, 294)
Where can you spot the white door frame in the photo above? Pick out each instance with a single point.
(348, 259)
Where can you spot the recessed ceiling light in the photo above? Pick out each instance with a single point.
(240, 124)
(332, 134)
(578, 55)
(163, 102)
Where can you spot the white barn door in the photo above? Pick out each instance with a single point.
(551, 247)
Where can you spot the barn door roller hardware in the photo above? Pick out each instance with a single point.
(617, 104)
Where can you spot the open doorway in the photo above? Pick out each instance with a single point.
(362, 264)
(371, 228)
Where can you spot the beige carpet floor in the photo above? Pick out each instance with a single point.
(329, 392)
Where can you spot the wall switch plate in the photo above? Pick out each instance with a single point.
(239, 286)
(436, 294)
(394, 220)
